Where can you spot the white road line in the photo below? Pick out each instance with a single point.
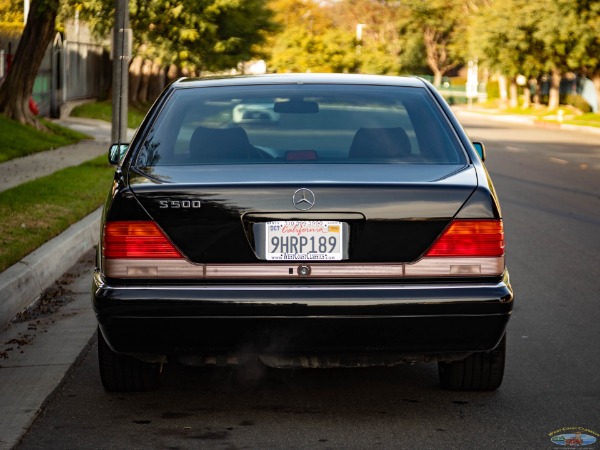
(559, 161)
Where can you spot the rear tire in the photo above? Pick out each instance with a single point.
(482, 371)
(123, 373)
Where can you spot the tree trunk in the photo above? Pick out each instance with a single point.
(437, 78)
(537, 91)
(157, 81)
(527, 95)
(18, 85)
(436, 50)
(513, 94)
(503, 91)
(145, 83)
(135, 77)
(433, 59)
(554, 98)
(172, 73)
(596, 80)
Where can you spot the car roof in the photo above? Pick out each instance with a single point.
(300, 78)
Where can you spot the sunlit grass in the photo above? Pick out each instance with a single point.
(568, 114)
(35, 212)
(589, 119)
(18, 140)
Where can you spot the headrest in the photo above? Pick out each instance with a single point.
(380, 144)
(219, 144)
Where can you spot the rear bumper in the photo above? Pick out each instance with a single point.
(300, 319)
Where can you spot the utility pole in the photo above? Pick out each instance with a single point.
(121, 51)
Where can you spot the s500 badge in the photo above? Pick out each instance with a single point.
(179, 204)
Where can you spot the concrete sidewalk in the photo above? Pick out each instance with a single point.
(24, 282)
(39, 347)
(20, 170)
(41, 343)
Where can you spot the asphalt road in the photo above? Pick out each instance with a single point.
(549, 186)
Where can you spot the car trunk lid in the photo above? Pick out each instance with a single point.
(391, 212)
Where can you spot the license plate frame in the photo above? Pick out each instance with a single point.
(303, 240)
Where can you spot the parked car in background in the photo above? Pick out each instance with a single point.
(255, 113)
(356, 226)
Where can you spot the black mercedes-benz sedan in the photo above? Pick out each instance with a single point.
(307, 221)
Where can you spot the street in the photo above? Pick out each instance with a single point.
(548, 181)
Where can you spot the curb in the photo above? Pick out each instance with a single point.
(23, 283)
(567, 126)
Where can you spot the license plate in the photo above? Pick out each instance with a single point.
(304, 240)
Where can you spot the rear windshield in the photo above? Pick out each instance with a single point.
(300, 124)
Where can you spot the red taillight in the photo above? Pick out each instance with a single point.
(137, 239)
(470, 238)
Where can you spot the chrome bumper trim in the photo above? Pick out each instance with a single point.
(183, 269)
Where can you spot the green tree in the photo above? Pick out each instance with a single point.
(506, 40)
(206, 34)
(185, 35)
(556, 30)
(11, 19)
(589, 47)
(441, 24)
(11, 11)
(309, 39)
(209, 35)
(520, 37)
(570, 32)
(379, 47)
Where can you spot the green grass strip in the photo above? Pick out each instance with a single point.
(35, 212)
(570, 116)
(18, 140)
(588, 120)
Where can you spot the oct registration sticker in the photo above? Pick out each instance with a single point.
(304, 240)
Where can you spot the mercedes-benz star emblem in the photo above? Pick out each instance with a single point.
(303, 199)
